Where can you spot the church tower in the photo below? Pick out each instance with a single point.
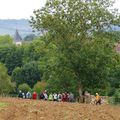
(17, 38)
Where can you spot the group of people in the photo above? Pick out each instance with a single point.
(65, 97)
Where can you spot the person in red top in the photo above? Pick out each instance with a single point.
(63, 97)
(34, 95)
(66, 97)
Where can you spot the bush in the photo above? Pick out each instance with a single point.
(102, 92)
(111, 92)
(24, 87)
(116, 97)
(40, 86)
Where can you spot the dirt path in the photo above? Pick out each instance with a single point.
(20, 109)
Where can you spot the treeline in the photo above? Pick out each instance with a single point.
(75, 53)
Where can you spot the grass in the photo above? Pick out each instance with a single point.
(3, 104)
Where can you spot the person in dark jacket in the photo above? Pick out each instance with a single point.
(41, 96)
(20, 94)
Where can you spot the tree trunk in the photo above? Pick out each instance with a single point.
(80, 93)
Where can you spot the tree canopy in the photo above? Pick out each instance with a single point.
(73, 26)
(6, 40)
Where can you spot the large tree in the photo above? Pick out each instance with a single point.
(6, 86)
(73, 27)
(29, 73)
(11, 56)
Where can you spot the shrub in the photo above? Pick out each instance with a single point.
(111, 92)
(40, 86)
(24, 87)
(116, 97)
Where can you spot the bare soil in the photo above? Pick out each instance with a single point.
(23, 109)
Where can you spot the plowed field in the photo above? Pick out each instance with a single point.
(23, 109)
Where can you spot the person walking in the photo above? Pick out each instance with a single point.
(98, 99)
(34, 95)
(55, 97)
(20, 94)
(50, 97)
(59, 97)
(28, 95)
(71, 97)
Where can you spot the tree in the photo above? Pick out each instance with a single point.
(11, 56)
(111, 35)
(31, 73)
(33, 51)
(24, 87)
(40, 86)
(71, 25)
(115, 75)
(30, 37)
(17, 76)
(116, 97)
(90, 65)
(6, 86)
(6, 40)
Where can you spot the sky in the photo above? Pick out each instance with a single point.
(18, 9)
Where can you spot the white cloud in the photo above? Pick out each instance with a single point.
(17, 9)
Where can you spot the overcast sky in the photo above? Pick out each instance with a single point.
(17, 9)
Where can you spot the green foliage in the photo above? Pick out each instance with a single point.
(31, 73)
(89, 66)
(6, 40)
(24, 87)
(17, 76)
(6, 86)
(11, 56)
(30, 37)
(75, 17)
(33, 51)
(111, 92)
(62, 79)
(116, 97)
(113, 35)
(115, 75)
(82, 58)
(40, 86)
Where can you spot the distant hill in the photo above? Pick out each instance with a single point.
(8, 26)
